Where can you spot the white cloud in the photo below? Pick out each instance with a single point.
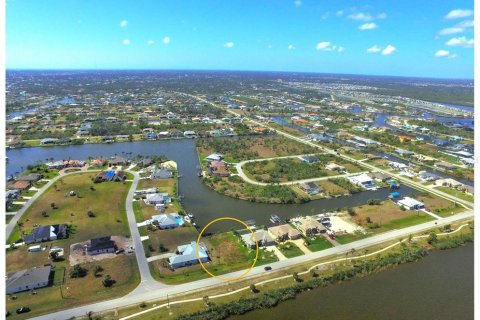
(374, 49)
(460, 42)
(328, 46)
(297, 3)
(126, 42)
(339, 13)
(150, 42)
(465, 24)
(291, 47)
(269, 46)
(229, 44)
(451, 30)
(389, 49)
(459, 13)
(445, 53)
(368, 26)
(361, 16)
(442, 53)
(166, 40)
(123, 23)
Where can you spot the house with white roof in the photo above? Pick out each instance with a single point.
(167, 221)
(363, 180)
(411, 204)
(187, 255)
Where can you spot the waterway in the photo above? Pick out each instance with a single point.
(200, 200)
(440, 287)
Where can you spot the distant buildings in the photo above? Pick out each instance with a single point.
(411, 204)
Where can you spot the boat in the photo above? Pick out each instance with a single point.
(187, 219)
(190, 215)
(275, 219)
(199, 174)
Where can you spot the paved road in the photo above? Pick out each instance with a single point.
(147, 282)
(142, 294)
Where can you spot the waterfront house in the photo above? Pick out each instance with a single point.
(263, 238)
(397, 165)
(189, 134)
(380, 176)
(428, 176)
(28, 279)
(158, 198)
(47, 233)
(167, 221)
(284, 232)
(32, 177)
(146, 191)
(363, 180)
(117, 161)
(448, 182)
(55, 165)
(101, 245)
(48, 141)
(162, 173)
(411, 204)
(20, 185)
(311, 188)
(214, 157)
(309, 226)
(187, 256)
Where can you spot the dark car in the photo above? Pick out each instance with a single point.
(23, 310)
(120, 251)
(267, 268)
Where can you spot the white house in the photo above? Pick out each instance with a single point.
(411, 204)
(28, 279)
(363, 180)
(167, 221)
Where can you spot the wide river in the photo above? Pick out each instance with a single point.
(439, 287)
(200, 200)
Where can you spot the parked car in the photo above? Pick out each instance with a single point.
(120, 251)
(23, 310)
(267, 268)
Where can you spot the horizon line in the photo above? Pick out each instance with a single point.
(231, 70)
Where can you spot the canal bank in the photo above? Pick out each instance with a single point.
(200, 200)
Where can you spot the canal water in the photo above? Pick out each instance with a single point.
(440, 287)
(200, 200)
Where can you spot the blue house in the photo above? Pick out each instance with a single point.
(167, 221)
(187, 255)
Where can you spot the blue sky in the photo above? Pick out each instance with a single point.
(428, 38)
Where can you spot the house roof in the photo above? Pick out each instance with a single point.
(30, 177)
(27, 277)
(168, 219)
(101, 243)
(284, 229)
(260, 236)
(410, 202)
(157, 196)
(19, 185)
(187, 253)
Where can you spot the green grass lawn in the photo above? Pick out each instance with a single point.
(319, 243)
(456, 193)
(349, 237)
(14, 208)
(290, 249)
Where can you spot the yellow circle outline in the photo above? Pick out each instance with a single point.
(219, 277)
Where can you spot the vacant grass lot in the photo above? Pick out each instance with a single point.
(439, 206)
(245, 148)
(457, 193)
(290, 249)
(107, 201)
(319, 243)
(172, 238)
(227, 254)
